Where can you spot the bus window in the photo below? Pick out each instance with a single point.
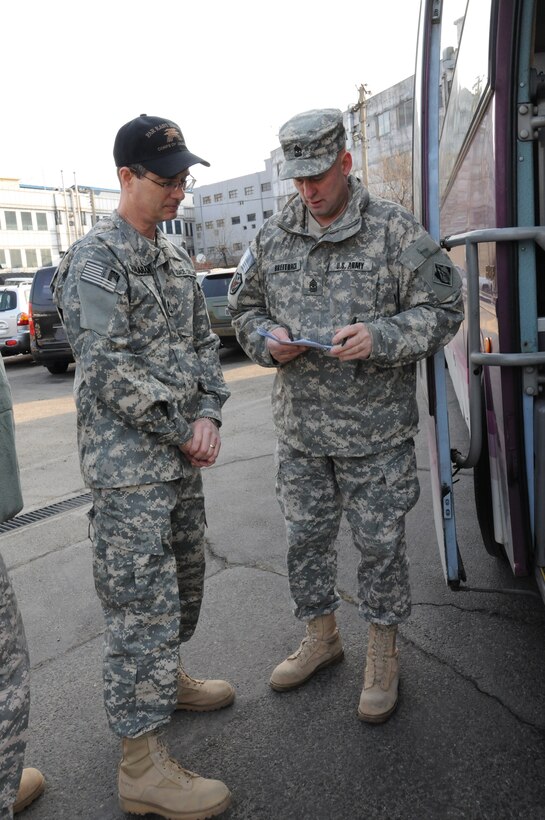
(468, 84)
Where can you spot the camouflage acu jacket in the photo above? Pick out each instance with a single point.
(376, 263)
(147, 362)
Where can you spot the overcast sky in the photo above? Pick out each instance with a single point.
(228, 72)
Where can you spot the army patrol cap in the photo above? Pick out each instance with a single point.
(311, 142)
(155, 143)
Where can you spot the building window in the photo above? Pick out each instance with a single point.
(178, 227)
(237, 246)
(265, 186)
(11, 220)
(248, 191)
(46, 256)
(233, 193)
(41, 221)
(188, 228)
(16, 258)
(405, 114)
(219, 223)
(218, 197)
(31, 258)
(2, 258)
(198, 227)
(206, 200)
(267, 214)
(235, 220)
(383, 124)
(209, 225)
(26, 220)
(250, 218)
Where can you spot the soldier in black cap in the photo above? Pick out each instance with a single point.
(149, 392)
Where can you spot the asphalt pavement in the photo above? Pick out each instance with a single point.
(467, 740)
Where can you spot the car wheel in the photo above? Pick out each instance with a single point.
(57, 367)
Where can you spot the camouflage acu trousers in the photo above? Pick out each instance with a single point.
(148, 564)
(375, 493)
(14, 694)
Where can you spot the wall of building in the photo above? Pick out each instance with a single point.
(228, 215)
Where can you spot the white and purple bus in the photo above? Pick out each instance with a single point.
(479, 188)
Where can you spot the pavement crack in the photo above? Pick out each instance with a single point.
(529, 618)
(537, 728)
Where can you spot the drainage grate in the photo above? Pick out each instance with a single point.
(44, 512)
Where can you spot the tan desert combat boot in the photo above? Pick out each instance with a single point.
(321, 647)
(31, 786)
(380, 686)
(203, 695)
(149, 781)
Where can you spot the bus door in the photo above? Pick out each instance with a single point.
(432, 372)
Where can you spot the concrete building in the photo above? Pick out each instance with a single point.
(228, 215)
(38, 223)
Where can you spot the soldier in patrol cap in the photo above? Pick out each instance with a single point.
(149, 391)
(361, 277)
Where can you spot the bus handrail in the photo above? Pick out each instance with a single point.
(477, 359)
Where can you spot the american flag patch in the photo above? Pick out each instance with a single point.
(96, 274)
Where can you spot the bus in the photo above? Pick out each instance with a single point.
(479, 188)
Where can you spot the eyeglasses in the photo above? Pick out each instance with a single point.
(171, 186)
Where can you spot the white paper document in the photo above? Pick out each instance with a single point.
(305, 342)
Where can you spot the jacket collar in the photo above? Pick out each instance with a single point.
(293, 215)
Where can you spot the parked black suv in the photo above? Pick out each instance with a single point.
(48, 343)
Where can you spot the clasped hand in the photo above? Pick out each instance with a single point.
(203, 448)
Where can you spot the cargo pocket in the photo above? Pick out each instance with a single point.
(401, 479)
(127, 565)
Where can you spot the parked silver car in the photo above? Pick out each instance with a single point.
(14, 329)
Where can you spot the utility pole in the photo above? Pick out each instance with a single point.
(363, 93)
(361, 108)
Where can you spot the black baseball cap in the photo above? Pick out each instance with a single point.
(155, 143)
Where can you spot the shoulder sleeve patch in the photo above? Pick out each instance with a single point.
(99, 290)
(97, 274)
(432, 263)
(244, 266)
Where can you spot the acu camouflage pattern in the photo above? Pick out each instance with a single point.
(311, 142)
(14, 661)
(147, 366)
(148, 566)
(147, 363)
(367, 265)
(346, 429)
(14, 694)
(375, 493)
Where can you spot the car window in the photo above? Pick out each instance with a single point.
(8, 300)
(41, 292)
(216, 285)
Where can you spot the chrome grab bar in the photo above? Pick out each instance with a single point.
(477, 358)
